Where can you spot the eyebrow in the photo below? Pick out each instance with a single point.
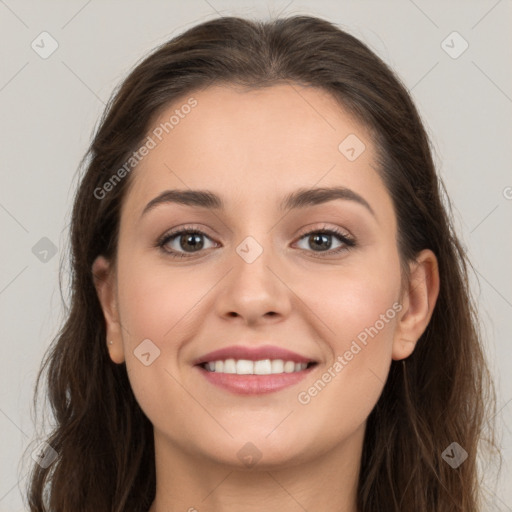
(300, 198)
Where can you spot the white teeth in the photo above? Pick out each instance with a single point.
(243, 367)
(229, 366)
(277, 366)
(289, 367)
(261, 367)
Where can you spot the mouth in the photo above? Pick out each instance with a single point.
(252, 370)
(260, 377)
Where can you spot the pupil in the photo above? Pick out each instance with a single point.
(193, 240)
(322, 236)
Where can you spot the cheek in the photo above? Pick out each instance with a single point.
(156, 303)
(355, 298)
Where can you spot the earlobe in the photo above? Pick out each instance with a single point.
(105, 284)
(419, 302)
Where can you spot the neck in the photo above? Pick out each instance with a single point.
(325, 483)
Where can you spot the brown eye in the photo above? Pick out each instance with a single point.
(321, 241)
(183, 242)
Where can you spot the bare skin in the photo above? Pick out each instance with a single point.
(253, 148)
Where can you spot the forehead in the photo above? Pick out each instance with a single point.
(247, 142)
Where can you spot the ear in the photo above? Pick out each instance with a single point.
(105, 284)
(418, 303)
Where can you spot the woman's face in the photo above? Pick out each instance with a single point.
(259, 275)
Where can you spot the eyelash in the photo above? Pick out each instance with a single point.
(348, 242)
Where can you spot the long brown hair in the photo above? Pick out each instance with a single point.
(442, 393)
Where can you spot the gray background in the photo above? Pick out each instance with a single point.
(49, 108)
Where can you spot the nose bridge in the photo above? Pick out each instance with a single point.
(254, 256)
(255, 238)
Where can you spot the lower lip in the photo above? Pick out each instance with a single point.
(255, 384)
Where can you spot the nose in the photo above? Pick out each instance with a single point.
(255, 288)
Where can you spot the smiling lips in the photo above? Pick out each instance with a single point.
(254, 370)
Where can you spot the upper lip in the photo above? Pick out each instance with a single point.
(252, 354)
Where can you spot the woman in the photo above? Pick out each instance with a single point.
(270, 307)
